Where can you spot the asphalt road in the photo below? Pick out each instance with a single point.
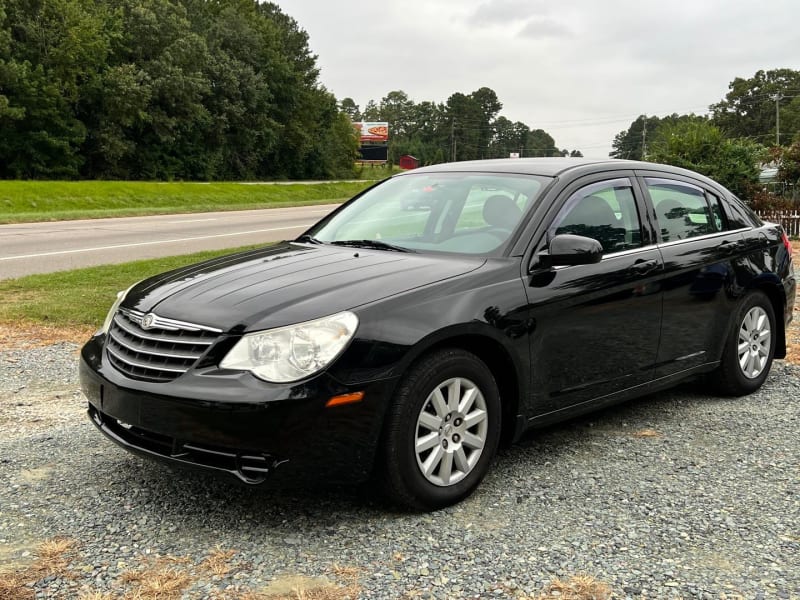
(29, 248)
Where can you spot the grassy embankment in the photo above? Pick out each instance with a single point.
(69, 305)
(29, 201)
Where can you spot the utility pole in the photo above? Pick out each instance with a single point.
(778, 99)
(644, 137)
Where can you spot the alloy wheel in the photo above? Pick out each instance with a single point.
(754, 342)
(451, 431)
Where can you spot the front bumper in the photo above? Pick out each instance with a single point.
(234, 424)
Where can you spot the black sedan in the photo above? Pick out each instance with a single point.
(404, 345)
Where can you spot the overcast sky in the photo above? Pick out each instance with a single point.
(580, 70)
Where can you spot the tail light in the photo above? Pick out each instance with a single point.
(786, 243)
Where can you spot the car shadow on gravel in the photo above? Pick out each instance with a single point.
(636, 427)
(199, 496)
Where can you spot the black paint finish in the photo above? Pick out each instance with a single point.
(559, 340)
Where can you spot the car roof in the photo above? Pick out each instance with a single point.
(553, 166)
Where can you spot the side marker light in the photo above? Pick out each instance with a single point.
(345, 399)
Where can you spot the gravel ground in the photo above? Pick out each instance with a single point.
(677, 495)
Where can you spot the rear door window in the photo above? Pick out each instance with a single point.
(683, 210)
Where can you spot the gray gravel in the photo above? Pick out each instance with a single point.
(677, 495)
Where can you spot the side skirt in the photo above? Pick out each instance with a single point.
(594, 404)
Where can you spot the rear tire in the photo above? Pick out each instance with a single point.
(750, 348)
(442, 431)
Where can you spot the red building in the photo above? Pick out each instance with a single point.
(408, 162)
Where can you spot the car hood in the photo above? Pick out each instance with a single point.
(288, 283)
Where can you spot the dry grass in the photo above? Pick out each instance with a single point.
(12, 586)
(310, 589)
(646, 433)
(164, 578)
(577, 587)
(218, 562)
(52, 558)
(23, 336)
(170, 577)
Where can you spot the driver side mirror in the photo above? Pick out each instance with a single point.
(567, 249)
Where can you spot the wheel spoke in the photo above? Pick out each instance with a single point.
(749, 321)
(446, 467)
(460, 458)
(427, 442)
(467, 400)
(743, 347)
(747, 364)
(758, 362)
(439, 403)
(473, 418)
(470, 440)
(453, 394)
(433, 460)
(429, 421)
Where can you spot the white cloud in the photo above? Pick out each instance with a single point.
(581, 70)
(506, 13)
(538, 29)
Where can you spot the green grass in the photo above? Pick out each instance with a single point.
(375, 172)
(28, 201)
(82, 297)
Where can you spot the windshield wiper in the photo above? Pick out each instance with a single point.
(376, 244)
(310, 239)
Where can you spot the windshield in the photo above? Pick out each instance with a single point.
(466, 213)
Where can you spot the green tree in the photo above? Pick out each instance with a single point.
(349, 107)
(51, 49)
(162, 89)
(749, 107)
(540, 143)
(628, 144)
(700, 146)
(788, 159)
(490, 106)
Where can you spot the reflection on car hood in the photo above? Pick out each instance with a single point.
(288, 283)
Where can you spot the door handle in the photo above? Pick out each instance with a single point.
(642, 267)
(727, 247)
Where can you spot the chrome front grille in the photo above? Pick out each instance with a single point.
(152, 348)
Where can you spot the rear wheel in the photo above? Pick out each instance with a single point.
(442, 431)
(748, 353)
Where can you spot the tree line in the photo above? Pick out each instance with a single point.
(465, 127)
(164, 89)
(755, 124)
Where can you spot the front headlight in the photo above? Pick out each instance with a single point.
(294, 352)
(113, 310)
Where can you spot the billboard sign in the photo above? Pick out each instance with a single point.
(372, 131)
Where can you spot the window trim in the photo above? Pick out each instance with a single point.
(587, 190)
(703, 192)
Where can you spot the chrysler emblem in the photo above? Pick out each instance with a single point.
(148, 320)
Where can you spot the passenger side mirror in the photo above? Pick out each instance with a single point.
(567, 249)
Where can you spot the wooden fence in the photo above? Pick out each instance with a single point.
(789, 219)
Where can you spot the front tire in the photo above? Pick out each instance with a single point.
(442, 431)
(748, 353)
